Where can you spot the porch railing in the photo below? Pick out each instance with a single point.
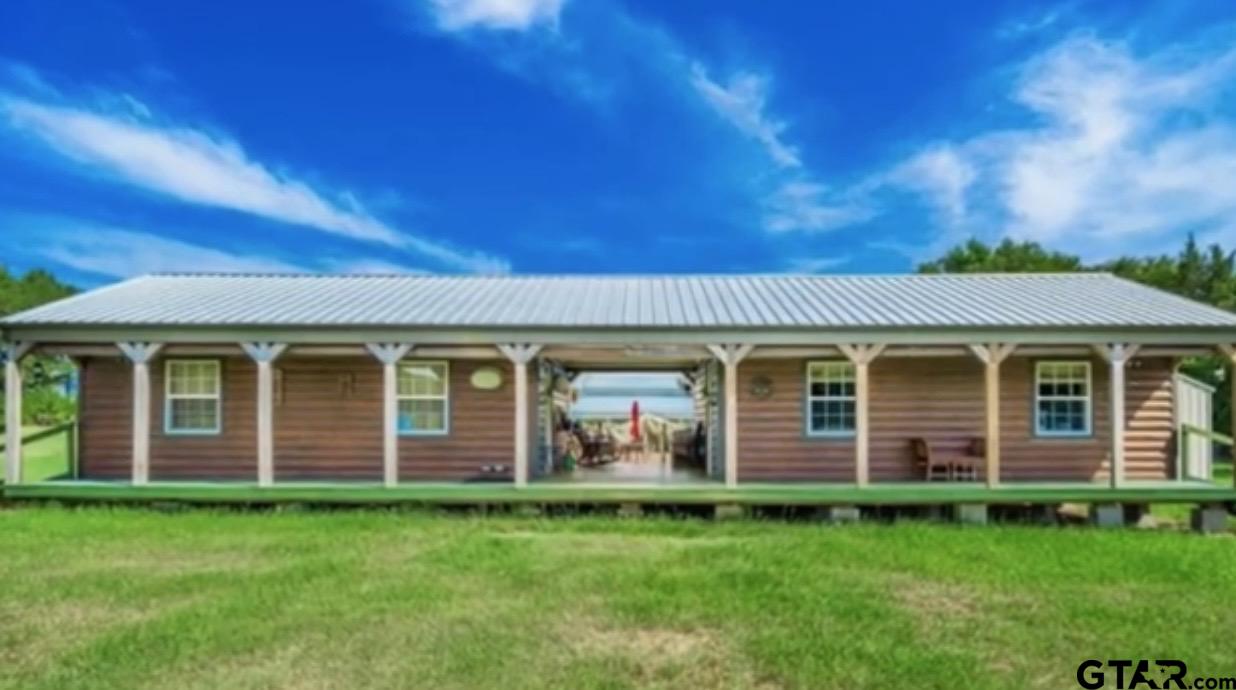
(46, 463)
(1188, 431)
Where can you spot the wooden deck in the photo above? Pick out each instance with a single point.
(570, 493)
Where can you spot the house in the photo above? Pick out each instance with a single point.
(276, 380)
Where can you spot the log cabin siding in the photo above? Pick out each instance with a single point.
(482, 429)
(328, 419)
(941, 399)
(327, 424)
(105, 418)
(107, 425)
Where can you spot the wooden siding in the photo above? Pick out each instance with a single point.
(105, 412)
(327, 426)
(328, 423)
(941, 399)
(328, 419)
(482, 430)
(107, 423)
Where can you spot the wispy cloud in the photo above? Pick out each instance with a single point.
(120, 253)
(598, 53)
(743, 103)
(510, 15)
(816, 264)
(192, 165)
(1118, 151)
(798, 205)
(111, 251)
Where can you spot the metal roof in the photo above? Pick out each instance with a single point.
(1093, 300)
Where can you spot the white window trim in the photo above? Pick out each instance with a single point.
(168, 397)
(1088, 399)
(445, 397)
(808, 398)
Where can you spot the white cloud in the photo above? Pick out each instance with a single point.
(119, 253)
(508, 15)
(940, 173)
(210, 170)
(743, 103)
(815, 264)
(798, 205)
(1118, 152)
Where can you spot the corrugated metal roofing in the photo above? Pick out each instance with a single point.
(957, 301)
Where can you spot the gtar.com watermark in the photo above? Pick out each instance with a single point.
(1160, 674)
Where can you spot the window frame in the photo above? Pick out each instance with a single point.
(808, 398)
(445, 397)
(1088, 400)
(169, 397)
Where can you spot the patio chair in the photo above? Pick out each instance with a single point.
(941, 465)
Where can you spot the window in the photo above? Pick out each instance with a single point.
(423, 398)
(830, 398)
(191, 403)
(1062, 398)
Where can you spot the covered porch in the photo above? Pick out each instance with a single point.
(730, 397)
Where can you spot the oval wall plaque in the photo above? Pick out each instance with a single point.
(487, 378)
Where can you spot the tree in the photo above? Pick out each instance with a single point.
(1007, 257)
(40, 375)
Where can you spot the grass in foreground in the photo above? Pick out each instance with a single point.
(133, 599)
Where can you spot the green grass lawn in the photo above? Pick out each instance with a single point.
(46, 457)
(116, 598)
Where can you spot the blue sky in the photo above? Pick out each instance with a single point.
(537, 136)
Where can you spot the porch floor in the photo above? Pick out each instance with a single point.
(630, 473)
(569, 492)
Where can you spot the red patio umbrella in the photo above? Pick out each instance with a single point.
(634, 420)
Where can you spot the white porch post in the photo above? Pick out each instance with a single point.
(730, 356)
(389, 355)
(13, 352)
(1117, 356)
(861, 357)
(140, 355)
(992, 356)
(520, 355)
(265, 354)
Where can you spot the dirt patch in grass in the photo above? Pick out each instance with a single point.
(665, 657)
(613, 545)
(164, 562)
(34, 635)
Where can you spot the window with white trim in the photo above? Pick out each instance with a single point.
(424, 398)
(830, 398)
(1062, 398)
(192, 396)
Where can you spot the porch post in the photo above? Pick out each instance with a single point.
(140, 355)
(265, 354)
(12, 353)
(1229, 353)
(992, 356)
(389, 355)
(730, 356)
(1117, 356)
(520, 355)
(861, 357)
